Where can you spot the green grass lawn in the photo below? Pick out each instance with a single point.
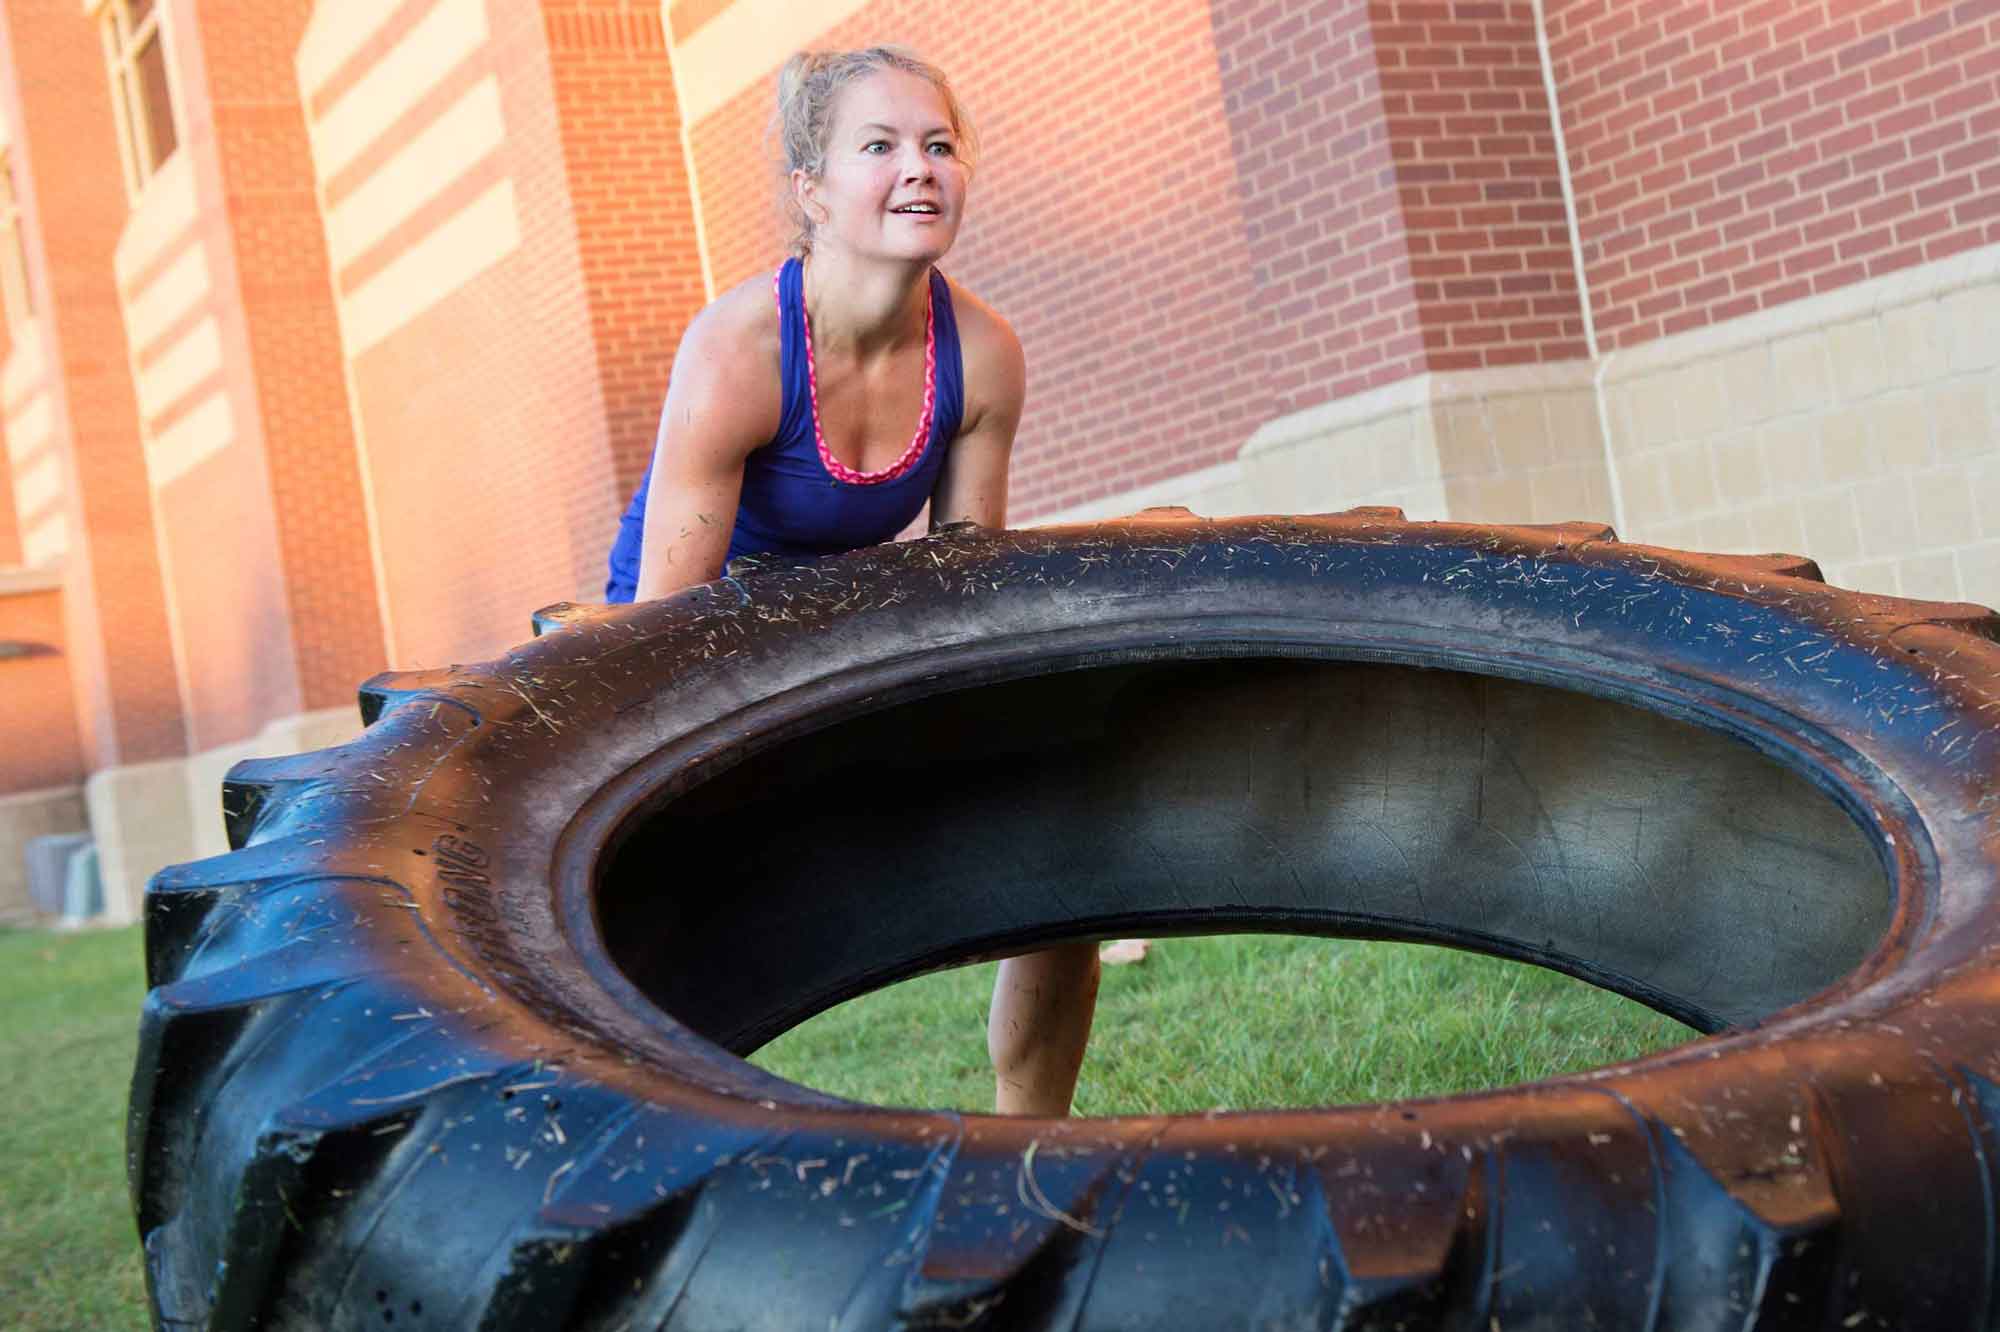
(1237, 1022)
(69, 1012)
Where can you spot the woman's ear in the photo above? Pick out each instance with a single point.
(803, 186)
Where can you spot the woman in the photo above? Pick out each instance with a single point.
(787, 426)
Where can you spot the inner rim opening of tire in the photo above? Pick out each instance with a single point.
(1657, 858)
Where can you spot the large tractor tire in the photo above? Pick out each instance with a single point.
(454, 1038)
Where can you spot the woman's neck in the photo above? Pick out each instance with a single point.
(864, 308)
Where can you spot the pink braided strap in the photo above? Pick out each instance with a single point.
(839, 470)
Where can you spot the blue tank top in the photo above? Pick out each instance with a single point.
(797, 503)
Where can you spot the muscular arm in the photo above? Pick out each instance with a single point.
(974, 485)
(722, 402)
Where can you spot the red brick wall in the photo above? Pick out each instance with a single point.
(1728, 158)
(490, 422)
(121, 660)
(270, 212)
(1478, 181)
(628, 184)
(1104, 223)
(37, 711)
(1334, 285)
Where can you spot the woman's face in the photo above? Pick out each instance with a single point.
(893, 186)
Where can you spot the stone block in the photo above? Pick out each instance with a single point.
(1520, 431)
(1933, 577)
(1888, 518)
(1944, 502)
(1971, 319)
(1982, 478)
(1690, 483)
(1725, 533)
(1351, 460)
(1855, 349)
(1747, 379)
(1899, 427)
(1790, 450)
(1878, 576)
(1488, 499)
(1423, 502)
(1563, 493)
(1399, 458)
(1832, 529)
(1801, 379)
(1656, 411)
(1574, 430)
(1847, 451)
(1227, 500)
(1597, 504)
(1675, 534)
(1912, 351)
(1962, 419)
(1643, 483)
(1465, 440)
(1775, 525)
(1979, 573)
(1701, 397)
(1739, 466)
(1296, 480)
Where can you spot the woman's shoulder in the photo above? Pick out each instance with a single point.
(743, 319)
(727, 372)
(995, 367)
(979, 322)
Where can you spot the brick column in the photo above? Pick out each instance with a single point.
(628, 183)
(58, 99)
(268, 210)
(1468, 125)
(1401, 190)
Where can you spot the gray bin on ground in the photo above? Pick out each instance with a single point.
(49, 858)
(83, 885)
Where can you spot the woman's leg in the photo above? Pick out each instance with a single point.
(1042, 1004)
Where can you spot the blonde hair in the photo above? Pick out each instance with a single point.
(809, 86)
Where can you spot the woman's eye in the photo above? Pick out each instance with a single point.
(943, 149)
(877, 145)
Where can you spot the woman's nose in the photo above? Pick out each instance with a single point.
(917, 165)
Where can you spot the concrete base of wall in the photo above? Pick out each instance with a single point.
(31, 814)
(1860, 427)
(150, 815)
(1514, 445)
(139, 818)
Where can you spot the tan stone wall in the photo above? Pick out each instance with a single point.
(1858, 428)
(1514, 445)
(1861, 428)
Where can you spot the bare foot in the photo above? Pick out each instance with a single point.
(1119, 952)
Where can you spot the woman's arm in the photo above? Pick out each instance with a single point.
(723, 401)
(974, 485)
